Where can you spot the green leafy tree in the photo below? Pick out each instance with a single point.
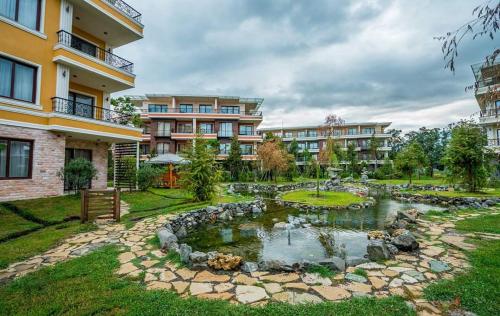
(410, 159)
(126, 111)
(234, 160)
(78, 173)
(149, 176)
(433, 142)
(373, 146)
(352, 159)
(201, 174)
(466, 157)
(396, 142)
(293, 151)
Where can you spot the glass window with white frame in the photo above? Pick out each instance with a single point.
(224, 148)
(185, 128)
(352, 131)
(206, 128)
(301, 146)
(226, 129)
(24, 12)
(230, 109)
(312, 133)
(162, 148)
(186, 108)
(368, 130)
(301, 134)
(205, 108)
(15, 158)
(246, 129)
(163, 129)
(288, 135)
(313, 145)
(17, 80)
(158, 108)
(246, 149)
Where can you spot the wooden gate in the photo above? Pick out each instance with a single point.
(100, 203)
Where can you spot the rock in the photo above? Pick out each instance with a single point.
(245, 279)
(392, 249)
(410, 215)
(334, 263)
(352, 261)
(200, 288)
(377, 250)
(370, 266)
(438, 266)
(281, 278)
(186, 274)
(355, 278)
(225, 262)
(256, 209)
(432, 251)
(181, 232)
(314, 278)
(405, 242)
(198, 257)
(272, 288)
(207, 276)
(223, 287)
(377, 282)
(167, 238)
(249, 267)
(415, 274)
(359, 287)
(216, 296)
(376, 234)
(272, 265)
(249, 294)
(332, 293)
(185, 251)
(396, 283)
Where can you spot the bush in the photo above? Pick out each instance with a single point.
(149, 176)
(78, 173)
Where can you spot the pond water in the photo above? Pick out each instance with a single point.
(255, 238)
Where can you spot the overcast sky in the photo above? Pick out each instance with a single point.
(370, 60)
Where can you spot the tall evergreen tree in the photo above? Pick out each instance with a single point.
(234, 160)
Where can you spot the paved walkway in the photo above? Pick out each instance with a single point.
(441, 255)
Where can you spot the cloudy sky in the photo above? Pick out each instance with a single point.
(365, 60)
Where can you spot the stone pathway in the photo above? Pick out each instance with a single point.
(441, 255)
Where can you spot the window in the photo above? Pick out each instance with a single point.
(246, 130)
(206, 128)
(144, 149)
(352, 131)
(205, 108)
(226, 129)
(313, 145)
(162, 148)
(24, 12)
(288, 135)
(80, 105)
(368, 130)
(186, 108)
(246, 149)
(224, 148)
(163, 129)
(301, 134)
(302, 146)
(158, 108)
(312, 133)
(230, 109)
(17, 80)
(336, 132)
(15, 158)
(147, 129)
(185, 128)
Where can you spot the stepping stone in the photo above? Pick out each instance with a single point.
(331, 293)
(126, 268)
(206, 276)
(355, 278)
(281, 278)
(223, 287)
(432, 251)
(377, 283)
(438, 266)
(296, 298)
(457, 241)
(150, 277)
(272, 288)
(126, 257)
(370, 266)
(390, 273)
(216, 296)
(180, 286)
(200, 288)
(396, 283)
(297, 286)
(157, 285)
(186, 274)
(315, 279)
(408, 279)
(249, 294)
(244, 279)
(167, 276)
(416, 275)
(413, 291)
(149, 263)
(359, 287)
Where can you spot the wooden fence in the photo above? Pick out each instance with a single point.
(100, 203)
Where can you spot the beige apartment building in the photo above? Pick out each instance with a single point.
(172, 121)
(313, 138)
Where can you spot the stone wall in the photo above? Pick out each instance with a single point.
(48, 159)
(461, 202)
(270, 188)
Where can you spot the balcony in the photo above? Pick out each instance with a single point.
(125, 9)
(175, 112)
(86, 111)
(69, 40)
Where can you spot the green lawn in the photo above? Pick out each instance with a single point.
(39, 241)
(50, 210)
(12, 224)
(477, 290)
(87, 286)
(325, 198)
(485, 193)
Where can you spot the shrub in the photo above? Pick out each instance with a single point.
(148, 176)
(78, 173)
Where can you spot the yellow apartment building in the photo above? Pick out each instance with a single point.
(57, 71)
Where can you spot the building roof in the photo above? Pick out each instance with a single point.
(322, 125)
(146, 97)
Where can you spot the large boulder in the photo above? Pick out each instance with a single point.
(405, 241)
(334, 263)
(377, 250)
(167, 238)
(185, 251)
(198, 257)
(249, 267)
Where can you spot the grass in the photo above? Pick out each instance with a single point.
(323, 271)
(87, 286)
(361, 272)
(432, 181)
(39, 241)
(49, 210)
(13, 224)
(476, 290)
(324, 199)
(491, 192)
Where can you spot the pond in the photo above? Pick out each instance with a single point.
(256, 238)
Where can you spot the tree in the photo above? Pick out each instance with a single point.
(293, 153)
(466, 157)
(201, 174)
(333, 121)
(149, 176)
(410, 159)
(352, 159)
(433, 145)
(129, 165)
(234, 160)
(126, 112)
(396, 142)
(78, 173)
(373, 147)
(486, 22)
(274, 159)
(328, 155)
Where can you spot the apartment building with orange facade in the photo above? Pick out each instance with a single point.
(172, 122)
(314, 138)
(57, 71)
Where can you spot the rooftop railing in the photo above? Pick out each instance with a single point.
(87, 48)
(126, 9)
(197, 111)
(83, 110)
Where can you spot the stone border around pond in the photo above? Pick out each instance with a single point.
(450, 202)
(258, 188)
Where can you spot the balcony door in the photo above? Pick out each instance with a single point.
(80, 105)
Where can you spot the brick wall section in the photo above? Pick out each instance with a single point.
(99, 159)
(48, 159)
